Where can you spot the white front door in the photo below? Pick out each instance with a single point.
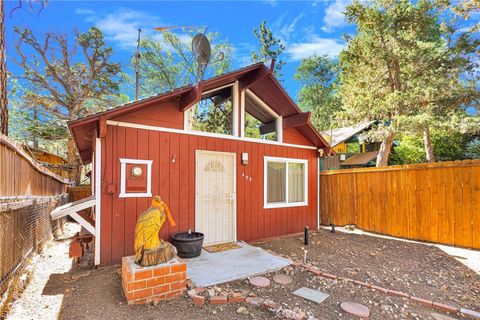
(215, 198)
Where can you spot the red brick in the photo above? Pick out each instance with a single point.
(174, 277)
(190, 284)
(140, 301)
(368, 285)
(398, 293)
(136, 285)
(218, 300)
(173, 294)
(199, 290)
(445, 307)
(378, 288)
(144, 274)
(198, 300)
(330, 276)
(235, 298)
(155, 281)
(179, 268)
(157, 298)
(143, 293)
(128, 276)
(422, 301)
(161, 271)
(161, 289)
(180, 285)
(129, 296)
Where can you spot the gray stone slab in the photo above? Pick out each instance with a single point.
(214, 268)
(311, 295)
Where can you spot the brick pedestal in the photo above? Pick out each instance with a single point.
(152, 284)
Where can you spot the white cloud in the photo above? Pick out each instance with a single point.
(84, 11)
(121, 26)
(314, 46)
(334, 15)
(242, 53)
(273, 3)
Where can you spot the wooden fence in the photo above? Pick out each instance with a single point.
(21, 176)
(28, 193)
(437, 202)
(79, 192)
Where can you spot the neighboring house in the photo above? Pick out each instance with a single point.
(55, 163)
(351, 148)
(227, 185)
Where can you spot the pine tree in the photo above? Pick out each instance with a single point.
(270, 47)
(400, 70)
(318, 94)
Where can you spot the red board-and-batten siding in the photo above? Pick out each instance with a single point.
(175, 182)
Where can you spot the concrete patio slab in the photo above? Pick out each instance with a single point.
(214, 268)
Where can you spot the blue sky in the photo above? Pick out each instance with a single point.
(305, 27)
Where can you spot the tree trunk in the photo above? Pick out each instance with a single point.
(74, 161)
(429, 155)
(3, 73)
(385, 148)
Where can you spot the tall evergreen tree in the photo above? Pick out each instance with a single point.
(318, 94)
(400, 70)
(270, 47)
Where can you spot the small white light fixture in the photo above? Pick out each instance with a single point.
(244, 158)
(342, 157)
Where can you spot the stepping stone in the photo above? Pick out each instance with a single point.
(260, 282)
(438, 316)
(311, 295)
(356, 309)
(282, 279)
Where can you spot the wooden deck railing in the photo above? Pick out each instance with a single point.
(438, 202)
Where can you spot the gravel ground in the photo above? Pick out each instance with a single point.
(415, 268)
(58, 290)
(34, 302)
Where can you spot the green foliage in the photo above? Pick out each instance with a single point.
(63, 79)
(216, 118)
(447, 146)
(59, 79)
(167, 63)
(318, 94)
(404, 68)
(270, 47)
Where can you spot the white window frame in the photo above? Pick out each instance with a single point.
(123, 180)
(285, 204)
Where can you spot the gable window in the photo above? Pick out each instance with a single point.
(259, 120)
(285, 182)
(214, 112)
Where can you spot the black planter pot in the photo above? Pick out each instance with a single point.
(189, 245)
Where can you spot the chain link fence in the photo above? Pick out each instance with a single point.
(25, 227)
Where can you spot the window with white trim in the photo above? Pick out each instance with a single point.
(285, 182)
(135, 178)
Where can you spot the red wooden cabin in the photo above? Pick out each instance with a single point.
(231, 185)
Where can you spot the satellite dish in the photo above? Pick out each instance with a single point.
(201, 49)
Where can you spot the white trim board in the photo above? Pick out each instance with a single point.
(204, 134)
(123, 178)
(72, 207)
(285, 204)
(98, 193)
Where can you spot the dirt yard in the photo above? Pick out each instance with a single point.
(417, 269)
